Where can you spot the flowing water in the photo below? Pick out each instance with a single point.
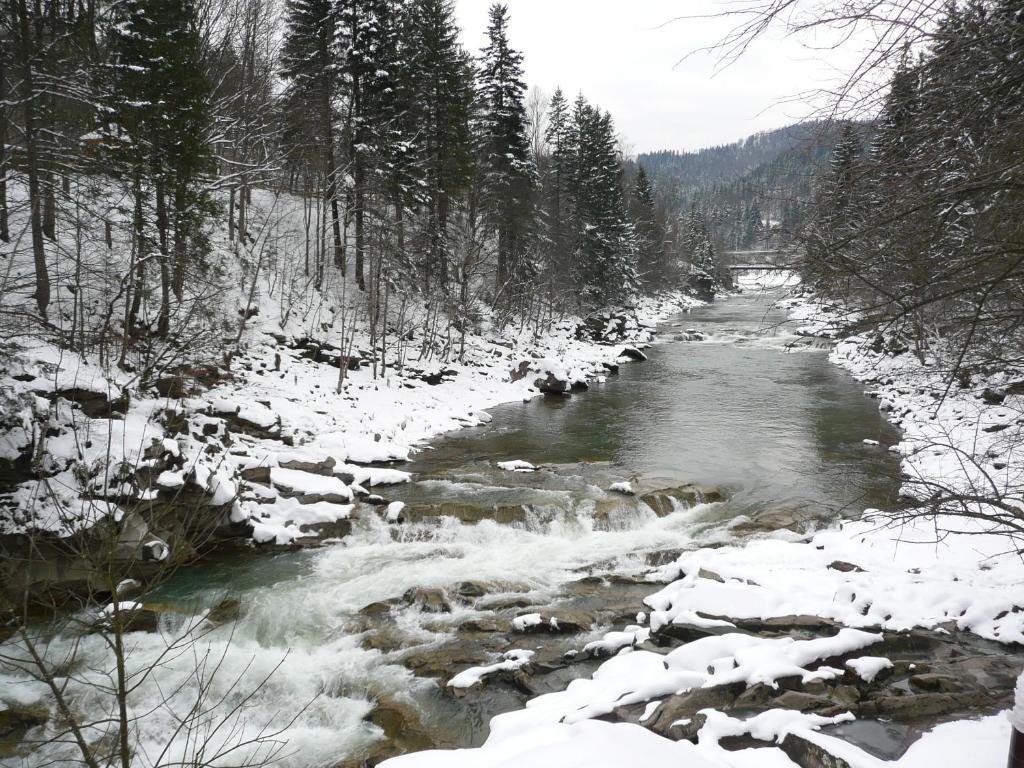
(753, 410)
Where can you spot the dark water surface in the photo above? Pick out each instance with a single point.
(752, 408)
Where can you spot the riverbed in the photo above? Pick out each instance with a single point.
(349, 647)
(752, 411)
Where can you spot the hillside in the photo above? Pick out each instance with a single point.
(752, 193)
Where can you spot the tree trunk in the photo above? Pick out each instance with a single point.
(138, 228)
(42, 292)
(181, 232)
(5, 234)
(332, 180)
(163, 323)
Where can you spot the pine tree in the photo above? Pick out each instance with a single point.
(309, 60)
(508, 170)
(650, 232)
(440, 75)
(556, 199)
(161, 101)
(369, 69)
(605, 249)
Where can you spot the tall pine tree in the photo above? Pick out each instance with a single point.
(508, 170)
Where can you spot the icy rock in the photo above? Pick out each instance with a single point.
(393, 514)
(516, 465)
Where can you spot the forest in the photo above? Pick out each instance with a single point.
(134, 135)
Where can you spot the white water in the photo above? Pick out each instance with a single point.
(325, 681)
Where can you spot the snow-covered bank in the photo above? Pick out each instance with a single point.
(279, 425)
(849, 602)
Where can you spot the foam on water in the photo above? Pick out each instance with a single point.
(293, 664)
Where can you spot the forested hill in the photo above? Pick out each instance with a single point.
(752, 193)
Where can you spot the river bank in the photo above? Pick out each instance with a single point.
(676, 550)
(855, 645)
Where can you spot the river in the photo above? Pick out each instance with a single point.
(752, 410)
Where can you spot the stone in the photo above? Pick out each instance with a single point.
(936, 683)
(312, 464)
(428, 599)
(772, 520)
(807, 754)
(685, 705)
(844, 567)
(665, 501)
(379, 608)
(552, 385)
(18, 719)
(556, 622)
(802, 701)
(229, 609)
(471, 589)
(633, 354)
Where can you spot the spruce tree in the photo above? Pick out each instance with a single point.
(309, 59)
(369, 69)
(440, 76)
(650, 232)
(508, 171)
(161, 101)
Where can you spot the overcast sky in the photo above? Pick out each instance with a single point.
(623, 56)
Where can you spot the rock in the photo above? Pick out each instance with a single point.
(552, 385)
(95, 405)
(553, 622)
(686, 633)
(404, 732)
(844, 567)
(807, 754)
(443, 661)
(521, 371)
(471, 589)
(379, 608)
(770, 521)
(756, 697)
(485, 625)
(920, 705)
(802, 701)
(935, 683)
(227, 610)
(685, 705)
(428, 600)
(633, 354)
(259, 475)
(313, 464)
(17, 719)
(665, 501)
(787, 624)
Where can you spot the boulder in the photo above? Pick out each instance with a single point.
(772, 520)
(16, 719)
(428, 599)
(633, 354)
(552, 385)
(685, 705)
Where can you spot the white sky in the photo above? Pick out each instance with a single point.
(623, 56)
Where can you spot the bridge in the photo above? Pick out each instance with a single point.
(763, 268)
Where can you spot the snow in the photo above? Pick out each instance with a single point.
(622, 487)
(869, 667)
(516, 465)
(394, 511)
(587, 744)
(526, 621)
(511, 660)
(1017, 713)
(306, 483)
